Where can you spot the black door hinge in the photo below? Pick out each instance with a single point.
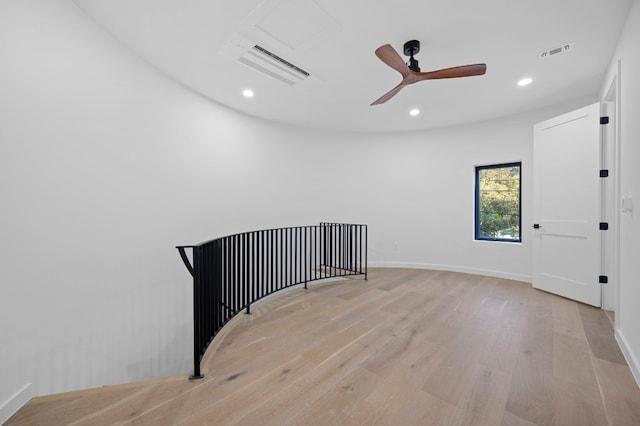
(604, 173)
(603, 279)
(604, 226)
(604, 120)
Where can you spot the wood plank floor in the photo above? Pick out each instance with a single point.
(406, 347)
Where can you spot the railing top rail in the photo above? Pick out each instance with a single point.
(265, 230)
(342, 223)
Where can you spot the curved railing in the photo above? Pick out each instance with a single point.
(233, 272)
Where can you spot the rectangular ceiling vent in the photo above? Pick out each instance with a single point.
(273, 65)
(557, 50)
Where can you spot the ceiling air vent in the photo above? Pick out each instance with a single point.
(273, 65)
(556, 50)
(249, 53)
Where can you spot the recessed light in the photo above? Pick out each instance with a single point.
(414, 112)
(247, 93)
(525, 82)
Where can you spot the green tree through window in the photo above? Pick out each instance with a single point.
(498, 202)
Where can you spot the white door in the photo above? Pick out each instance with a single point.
(566, 210)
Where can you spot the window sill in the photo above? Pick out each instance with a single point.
(519, 243)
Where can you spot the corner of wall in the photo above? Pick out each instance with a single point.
(9, 407)
(632, 359)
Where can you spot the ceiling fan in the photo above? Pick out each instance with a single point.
(411, 71)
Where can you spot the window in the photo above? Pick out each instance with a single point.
(498, 202)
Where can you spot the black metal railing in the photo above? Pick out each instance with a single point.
(233, 272)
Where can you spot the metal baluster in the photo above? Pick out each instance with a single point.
(232, 273)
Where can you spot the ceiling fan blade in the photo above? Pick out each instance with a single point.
(390, 94)
(454, 72)
(389, 56)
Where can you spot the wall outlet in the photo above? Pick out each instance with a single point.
(395, 245)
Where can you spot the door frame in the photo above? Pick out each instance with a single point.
(610, 101)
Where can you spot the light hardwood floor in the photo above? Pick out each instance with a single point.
(406, 347)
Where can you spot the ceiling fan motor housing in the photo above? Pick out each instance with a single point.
(412, 47)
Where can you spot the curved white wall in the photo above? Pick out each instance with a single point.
(105, 166)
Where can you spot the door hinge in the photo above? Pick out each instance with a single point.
(604, 226)
(603, 279)
(604, 173)
(604, 120)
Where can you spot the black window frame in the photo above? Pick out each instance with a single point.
(478, 169)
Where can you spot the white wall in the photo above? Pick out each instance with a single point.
(90, 176)
(628, 314)
(105, 166)
(420, 194)
(416, 190)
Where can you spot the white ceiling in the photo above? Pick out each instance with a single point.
(335, 41)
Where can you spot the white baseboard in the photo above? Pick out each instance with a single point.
(632, 359)
(13, 404)
(453, 268)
